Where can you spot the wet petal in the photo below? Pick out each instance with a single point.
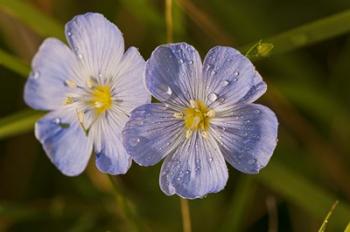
(247, 137)
(230, 79)
(195, 169)
(97, 42)
(53, 65)
(111, 156)
(64, 141)
(152, 133)
(173, 73)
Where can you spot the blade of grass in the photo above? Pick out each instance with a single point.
(32, 17)
(13, 63)
(18, 123)
(347, 228)
(303, 193)
(309, 33)
(329, 214)
(240, 202)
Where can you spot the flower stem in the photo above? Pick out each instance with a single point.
(186, 217)
(169, 20)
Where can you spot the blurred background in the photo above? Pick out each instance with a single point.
(308, 72)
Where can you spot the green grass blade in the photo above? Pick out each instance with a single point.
(18, 123)
(13, 63)
(240, 202)
(39, 22)
(309, 33)
(303, 193)
(347, 228)
(329, 214)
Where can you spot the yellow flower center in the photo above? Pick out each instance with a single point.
(101, 98)
(196, 117)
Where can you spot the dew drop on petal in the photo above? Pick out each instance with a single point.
(190, 61)
(210, 159)
(235, 79)
(169, 91)
(69, 33)
(134, 141)
(257, 111)
(213, 72)
(80, 56)
(57, 120)
(181, 61)
(36, 75)
(236, 73)
(225, 83)
(212, 97)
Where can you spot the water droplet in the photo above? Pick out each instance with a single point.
(251, 161)
(166, 105)
(236, 73)
(213, 72)
(57, 120)
(80, 56)
(212, 97)
(169, 91)
(235, 79)
(167, 143)
(221, 100)
(190, 61)
(225, 83)
(69, 33)
(178, 179)
(188, 172)
(134, 141)
(257, 111)
(210, 159)
(36, 75)
(100, 75)
(181, 61)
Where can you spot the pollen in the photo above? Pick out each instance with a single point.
(197, 116)
(101, 98)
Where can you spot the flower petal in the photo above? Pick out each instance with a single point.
(195, 169)
(129, 84)
(152, 133)
(53, 64)
(248, 137)
(111, 156)
(230, 79)
(173, 73)
(97, 42)
(64, 141)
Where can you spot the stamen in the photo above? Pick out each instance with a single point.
(81, 117)
(188, 134)
(69, 100)
(89, 83)
(178, 115)
(205, 134)
(211, 113)
(71, 83)
(193, 104)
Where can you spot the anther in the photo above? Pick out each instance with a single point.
(193, 104)
(211, 113)
(89, 83)
(80, 117)
(71, 83)
(178, 115)
(69, 100)
(205, 134)
(188, 134)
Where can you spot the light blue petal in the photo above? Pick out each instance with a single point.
(174, 73)
(230, 79)
(64, 141)
(129, 84)
(247, 137)
(195, 169)
(152, 133)
(97, 42)
(111, 156)
(53, 64)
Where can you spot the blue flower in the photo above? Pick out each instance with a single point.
(90, 88)
(206, 116)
